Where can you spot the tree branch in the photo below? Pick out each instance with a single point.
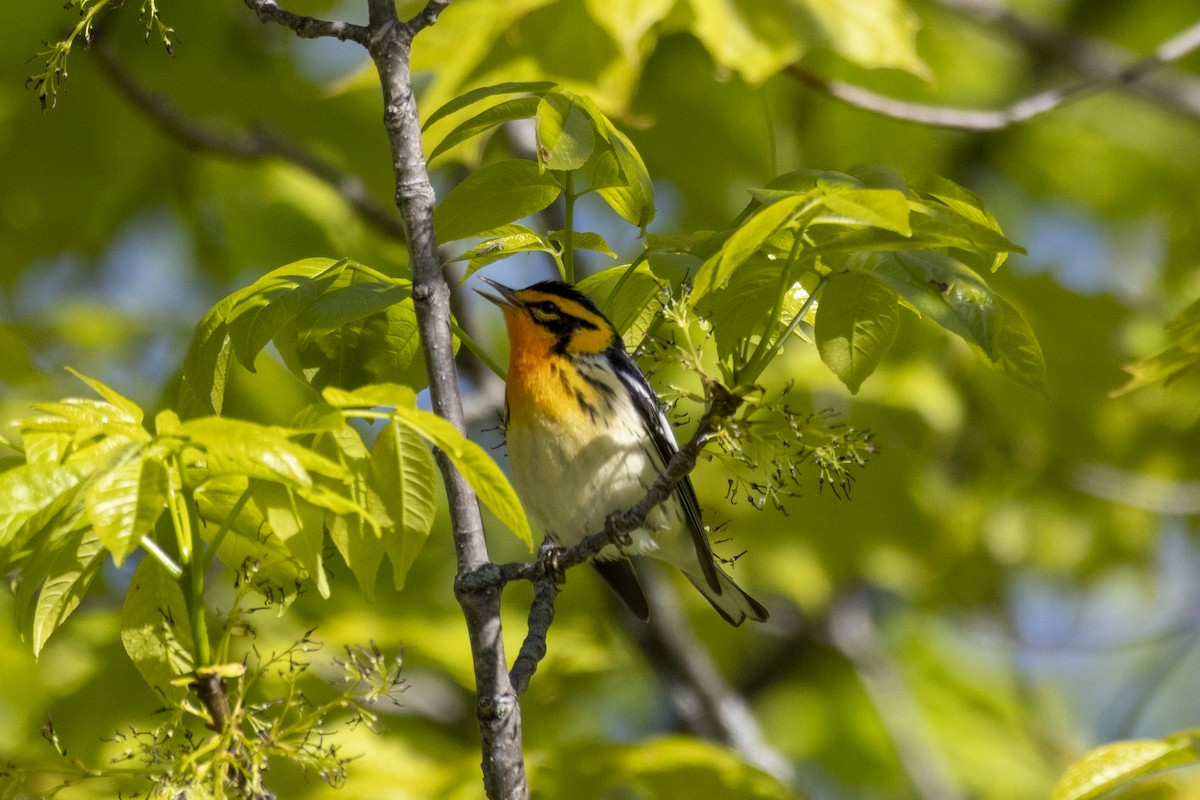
(258, 144)
(702, 699)
(389, 42)
(854, 633)
(497, 710)
(1091, 57)
(1023, 110)
(308, 27)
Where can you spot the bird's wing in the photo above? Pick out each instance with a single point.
(646, 403)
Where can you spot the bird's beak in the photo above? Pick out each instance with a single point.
(507, 298)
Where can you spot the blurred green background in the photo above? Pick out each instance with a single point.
(1014, 577)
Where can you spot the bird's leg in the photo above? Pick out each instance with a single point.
(618, 530)
(548, 561)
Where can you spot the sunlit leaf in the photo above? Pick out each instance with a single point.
(505, 241)
(857, 321)
(494, 195)
(1117, 764)
(747, 240)
(68, 574)
(126, 410)
(482, 93)
(583, 240)
(486, 120)
(870, 33)
(299, 526)
(879, 208)
(29, 490)
(628, 296)
(277, 298)
(245, 448)
(565, 136)
(155, 629)
(126, 501)
(632, 196)
(247, 548)
(404, 474)
(944, 290)
(484, 475)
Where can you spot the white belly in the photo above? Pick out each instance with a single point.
(572, 478)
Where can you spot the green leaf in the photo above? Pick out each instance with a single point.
(857, 320)
(404, 474)
(509, 110)
(248, 548)
(583, 240)
(360, 331)
(631, 196)
(232, 446)
(206, 363)
(747, 240)
(755, 38)
(68, 574)
(494, 195)
(1177, 360)
(870, 33)
(126, 410)
(880, 208)
(32, 490)
(155, 629)
(1019, 355)
(484, 475)
(299, 527)
(505, 241)
(124, 504)
(1111, 766)
(755, 285)
(484, 92)
(273, 302)
(360, 548)
(944, 290)
(565, 136)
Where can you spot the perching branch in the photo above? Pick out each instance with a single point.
(1023, 110)
(258, 144)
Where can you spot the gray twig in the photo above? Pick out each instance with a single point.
(1022, 110)
(308, 27)
(1089, 56)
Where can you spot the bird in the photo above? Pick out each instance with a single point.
(587, 437)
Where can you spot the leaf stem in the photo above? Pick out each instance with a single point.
(195, 598)
(753, 371)
(160, 555)
(569, 198)
(479, 352)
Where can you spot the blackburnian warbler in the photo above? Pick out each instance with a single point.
(587, 437)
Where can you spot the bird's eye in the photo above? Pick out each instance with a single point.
(544, 309)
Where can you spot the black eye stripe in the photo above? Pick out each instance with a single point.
(547, 313)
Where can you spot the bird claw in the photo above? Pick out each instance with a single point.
(612, 528)
(548, 562)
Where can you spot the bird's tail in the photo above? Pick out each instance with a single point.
(731, 602)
